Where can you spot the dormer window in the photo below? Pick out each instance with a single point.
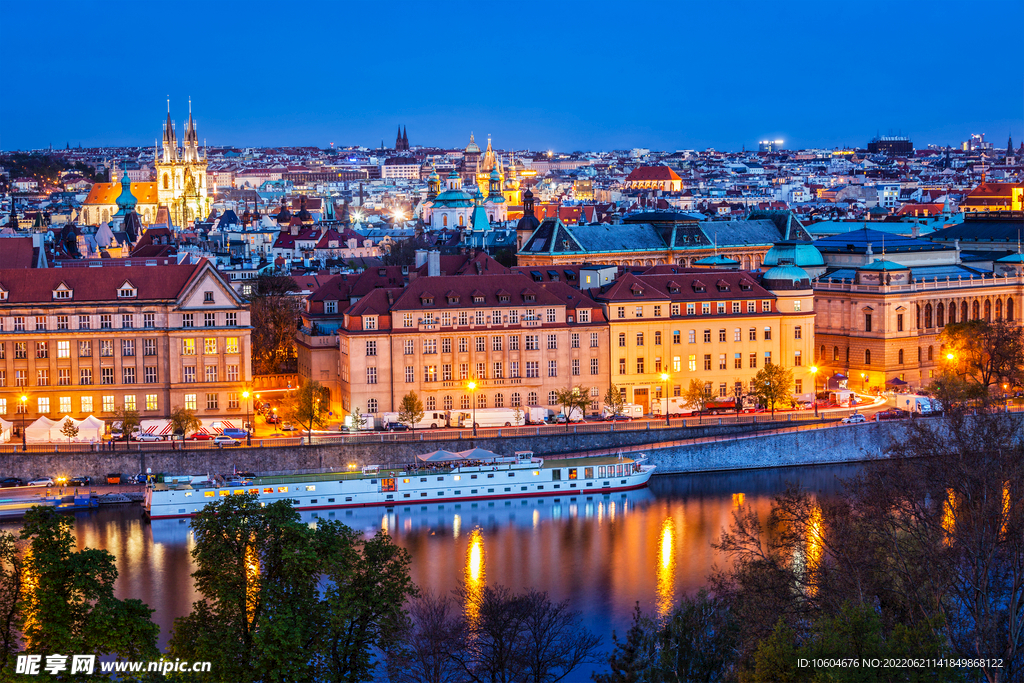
(207, 297)
(637, 290)
(127, 291)
(3, 294)
(723, 286)
(330, 307)
(427, 300)
(62, 292)
(673, 287)
(745, 286)
(478, 299)
(504, 298)
(529, 297)
(698, 286)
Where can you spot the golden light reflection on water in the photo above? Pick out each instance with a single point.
(666, 587)
(814, 544)
(475, 574)
(456, 526)
(1006, 509)
(737, 500)
(949, 514)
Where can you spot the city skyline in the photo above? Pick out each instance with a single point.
(569, 78)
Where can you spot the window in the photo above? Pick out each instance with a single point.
(127, 321)
(84, 322)
(594, 365)
(430, 346)
(211, 373)
(190, 401)
(371, 375)
(369, 322)
(639, 338)
(463, 371)
(583, 315)
(371, 406)
(62, 322)
(84, 349)
(188, 347)
(127, 375)
(371, 347)
(43, 404)
(753, 360)
(480, 316)
(209, 319)
(796, 307)
(3, 378)
(657, 364)
(410, 373)
(574, 340)
(20, 350)
(532, 342)
(86, 403)
(409, 347)
(42, 349)
(691, 362)
(151, 402)
(189, 374)
(767, 334)
(737, 361)
(515, 401)
(20, 378)
(675, 309)
(446, 345)
(149, 347)
(40, 322)
(85, 376)
(149, 374)
(640, 365)
(575, 366)
(797, 332)
(767, 357)
(622, 366)
(707, 336)
(766, 306)
(900, 353)
(497, 370)
(721, 362)
(737, 335)
(721, 335)
(148, 320)
(211, 401)
(867, 322)
(187, 320)
(705, 308)
(463, 344)
(127, 347)
(43, 377)
(751, 307)
(108, 403)
(209, 345)
(129, 402)
(798, 358)
(429, 373)
(481, 401)
(720, 309)
(552, 398)
(63, 349)
(735, 306)
(899, 322)
(867, 356)
(620, 312)
(231, 319)
(550, 316)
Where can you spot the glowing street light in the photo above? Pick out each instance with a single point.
(664, 378)
(24, 410)
(248, 423)
(814, 381)
(471, 387)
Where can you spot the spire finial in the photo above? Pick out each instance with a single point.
(168, 105)
(190, 105)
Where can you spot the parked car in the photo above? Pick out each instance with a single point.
(288, 427)
(619, 418)
(273, 419)
(80, 481)
(41, 481)
(893, 414)
(10, 481)
(226, 441)
(397, 427)
(201, 436)
(143, 436)
(854, 419)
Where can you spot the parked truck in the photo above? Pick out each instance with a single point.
(915, 403)
(677, 405)
(488, 417)
(432, 419)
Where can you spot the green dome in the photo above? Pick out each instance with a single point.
(802, 254)
(125, 201)
(786, 276)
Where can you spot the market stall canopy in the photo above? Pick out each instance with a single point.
(439, 456)
(5, 430)
(896, 382)
(478, 454)
(39, 431)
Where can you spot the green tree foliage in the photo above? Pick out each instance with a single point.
(286, 602)
(772, 384)
(309, 407)
(274, 312)
(401, 253)
(11, 580)
(410, 410)
(128, 419)
(697, 395)
(572, 399)
(69, 429)
(613, 400)
(183, 422)
(67, 601)
(985, 353)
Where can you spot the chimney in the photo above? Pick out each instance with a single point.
(433, 263)
(868, 253)
(421, 257)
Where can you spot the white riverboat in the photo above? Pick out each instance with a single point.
(438, 477)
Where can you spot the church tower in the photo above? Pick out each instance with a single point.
(181, 173)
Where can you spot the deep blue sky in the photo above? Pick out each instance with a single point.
(539, 75)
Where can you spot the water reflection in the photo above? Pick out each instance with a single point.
(474, 575)
(602, 552)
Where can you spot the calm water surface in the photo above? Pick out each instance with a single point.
(603, 552)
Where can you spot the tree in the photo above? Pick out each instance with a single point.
(278, 596)
(69, 429)
(697, 395)
(613, 400)
(410, 410)
(184, 421)
(772, 384)
(517, 414)
(402, 253)
(358, 421)
(572, 399)
(422, 653)
(11, 583)
(67, 599)
(274, 312)
(310, 406)
(985, 352)
(128, 419)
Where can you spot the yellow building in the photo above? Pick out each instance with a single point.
(718, 327)
(181, 174)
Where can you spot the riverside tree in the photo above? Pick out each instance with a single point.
(410, 410)
(572, 399)
(184, 421)
(985, 353)
(307, 604)
(613, 400)
(697, 395)
(309, 407)
(128, 419)
(772, 384)
(69, 429)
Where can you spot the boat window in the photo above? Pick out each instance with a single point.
(407, 495)
(423, 479)
(491, 475)
(282, 489)
(600, 471)
(458, 493)
(524, 488)
(268, 490)
(373, 481)
(473, 491)
(440, 478)
(457, 477)
(491, 491)
(388, 485)
(588, 472)
(208, 494)
(239, 492)
(511, 474)
(311, 488)
(472, 476)
(188, 494)
(348, 499)
(556, 475)
(313, 501)
(406, 481)
(508, 488)
(558, 486)
(572, 472)
(255, 492)
(536, 472)
(331, 500)
(541, 487)
(224, 493)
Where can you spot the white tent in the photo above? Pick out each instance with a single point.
(478, 454)
(439, 456)
(39, 431)
(91, 429)
(5, 430)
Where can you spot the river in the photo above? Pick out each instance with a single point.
(604, 553)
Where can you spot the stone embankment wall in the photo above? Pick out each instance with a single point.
(723, 451)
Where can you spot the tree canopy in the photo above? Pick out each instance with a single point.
(984, 353)
(274, 312)
(410, 410)
(772, 384)
(310, 406)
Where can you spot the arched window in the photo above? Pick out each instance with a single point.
(444, 221)
(999, 309)
(1009, 309)
(531, 398)
(952, 312)
(85, 216)
(975, 311)
(835, 353)
(931, 353)
(988, 310)
(867, 356)
(461, 219)
(918, 354)
(431, 403)
(963, 311)
(106, 215)
(464, 402)
(927, 316)
(901, 356)
(371, 405)
(552, 398)
(940, 316)
(821, 356)
(917, 319)
(516, 399)
(446, 402)
(167, 182)
(481, 401)
(499, 400)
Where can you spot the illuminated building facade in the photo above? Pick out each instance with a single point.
(181, 174)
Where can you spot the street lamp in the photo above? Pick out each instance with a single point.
(471, 386)
(863, 382)
(248, 425)
(814, 381)
(24, 410)
(664, 378)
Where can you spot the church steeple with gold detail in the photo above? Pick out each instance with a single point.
(181, 174)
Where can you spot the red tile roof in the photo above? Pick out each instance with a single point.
(16, 252)
(643, 173)
(154, 283)
(683, 287)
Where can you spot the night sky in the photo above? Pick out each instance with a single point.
(593, 75)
